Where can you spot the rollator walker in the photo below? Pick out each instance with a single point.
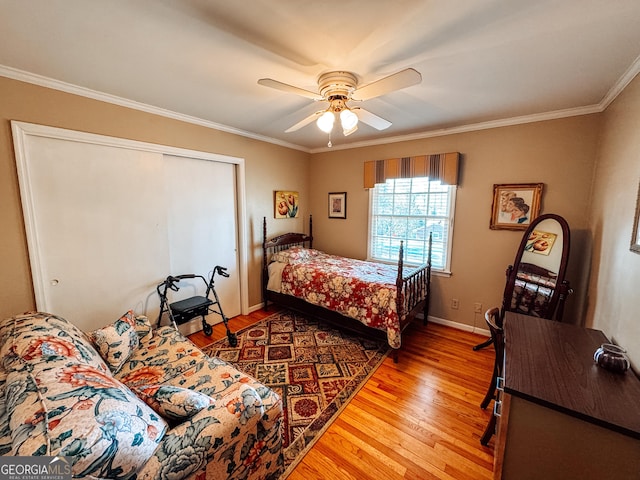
(197, 306)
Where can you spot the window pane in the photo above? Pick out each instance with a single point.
(399, 228)
(417, 229)
(402, 185)
(401, 204)
(384, 205)
(420, 185)
(419, 203)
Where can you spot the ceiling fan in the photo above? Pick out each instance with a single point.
(340, 87)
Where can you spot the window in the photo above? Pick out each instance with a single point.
(410, 209)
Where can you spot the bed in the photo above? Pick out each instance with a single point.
(371, 298)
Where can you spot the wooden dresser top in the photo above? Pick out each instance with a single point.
(551, 363)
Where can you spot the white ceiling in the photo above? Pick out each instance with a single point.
(483, 62)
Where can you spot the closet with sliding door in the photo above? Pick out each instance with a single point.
(107, 219)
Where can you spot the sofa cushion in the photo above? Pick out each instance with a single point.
(174, 403)
(81, 412)
(159, 360)
(116, 342)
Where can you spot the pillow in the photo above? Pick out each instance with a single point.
(295, 254)
(143, 328)
(175, 403)
(116, 342)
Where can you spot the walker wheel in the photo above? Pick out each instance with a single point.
(208, 329)
(233, 339)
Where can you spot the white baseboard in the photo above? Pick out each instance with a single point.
(256, 307)
(460, 326)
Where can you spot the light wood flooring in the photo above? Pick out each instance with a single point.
(417, 419)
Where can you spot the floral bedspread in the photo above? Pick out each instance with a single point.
(365, 291)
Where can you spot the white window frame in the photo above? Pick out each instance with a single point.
(446, 270)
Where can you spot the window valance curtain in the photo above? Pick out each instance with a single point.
(443, 167)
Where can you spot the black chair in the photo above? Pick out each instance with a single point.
(494, 322)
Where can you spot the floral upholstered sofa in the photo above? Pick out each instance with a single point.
(129, 402)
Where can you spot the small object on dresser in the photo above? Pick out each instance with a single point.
(612, 357)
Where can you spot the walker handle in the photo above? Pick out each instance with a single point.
(222, 271)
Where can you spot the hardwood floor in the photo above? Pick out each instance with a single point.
(417, 419)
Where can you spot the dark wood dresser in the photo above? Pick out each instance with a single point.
(561, 415)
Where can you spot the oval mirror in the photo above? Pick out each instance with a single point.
(536, 283)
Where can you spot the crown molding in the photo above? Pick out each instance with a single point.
(621, 84)
(47, 82)
(472, 127)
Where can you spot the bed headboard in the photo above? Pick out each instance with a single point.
(279, 243)
(286, 240)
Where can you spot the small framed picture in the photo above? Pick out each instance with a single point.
(338, 205)
(515, 205)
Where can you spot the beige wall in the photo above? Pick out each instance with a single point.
(268, 168)
(559, 153)
(614, 298)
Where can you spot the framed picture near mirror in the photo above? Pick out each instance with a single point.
(635, 236)
(515, 205)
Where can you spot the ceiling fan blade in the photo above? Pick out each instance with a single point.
(304, 122)
(372, 119)
(396, 81)
(285, 87)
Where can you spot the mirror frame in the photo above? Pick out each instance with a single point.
(562, 286)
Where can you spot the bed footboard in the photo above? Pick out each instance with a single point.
(414, 288)
(415, 292)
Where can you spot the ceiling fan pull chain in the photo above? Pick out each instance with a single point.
(329, 144)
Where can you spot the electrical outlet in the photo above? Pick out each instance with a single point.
(455, 303)
(477, 307)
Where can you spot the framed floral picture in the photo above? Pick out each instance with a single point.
(338, 205)
(286, 204)
(515, 205)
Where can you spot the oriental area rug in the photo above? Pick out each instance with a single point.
(316, 370)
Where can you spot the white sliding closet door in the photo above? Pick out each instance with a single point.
(100, 231)
(107, 220)
(202, 227)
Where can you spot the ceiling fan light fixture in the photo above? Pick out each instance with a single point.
(347, 132)
(348, 119)
(325, 121)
